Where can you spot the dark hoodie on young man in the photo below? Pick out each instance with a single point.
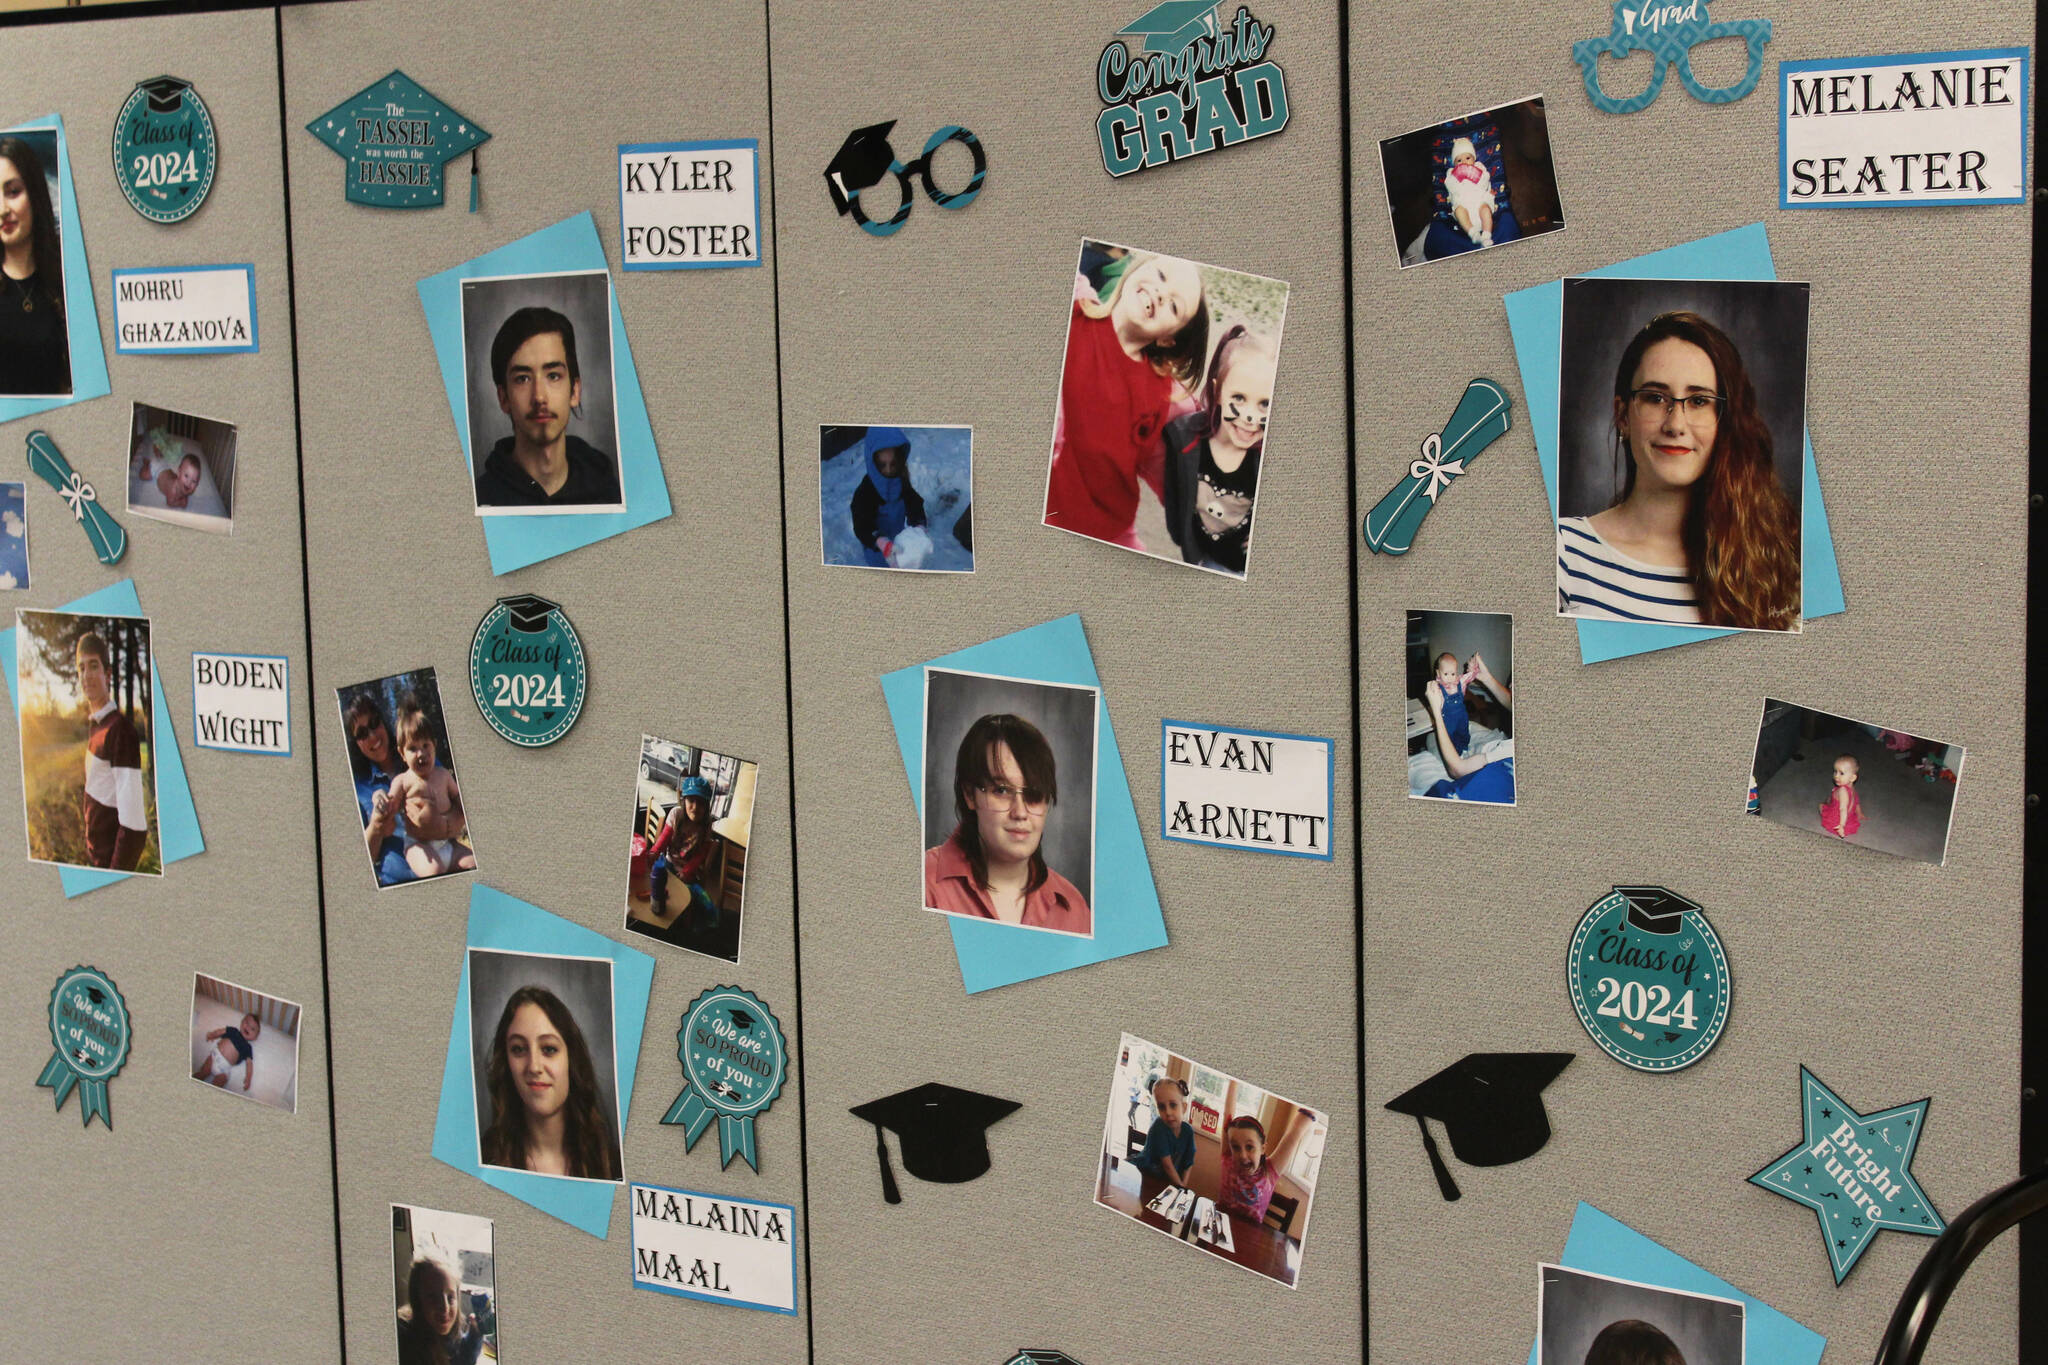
(883, 506)
(593, 480)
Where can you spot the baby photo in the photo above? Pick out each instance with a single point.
(1164, 397)
(542, 1064)
(1681, 434)
(693, 815)
(1003, 839)
(181, 469)
(1210, 1160)
(88, 731)
(543, 434)
(1854, 781)
(1587, 1319)
(35, 336)
(13, 534)
(897, 497)
(446, 1286)
(1470, 183)
(245, 1043)
(414, 827)
(1461, 723)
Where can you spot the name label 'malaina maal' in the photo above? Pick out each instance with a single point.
(710, 1247)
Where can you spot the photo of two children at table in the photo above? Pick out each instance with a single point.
(1256, 1156)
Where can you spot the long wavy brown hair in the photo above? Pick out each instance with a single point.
(45, 245)
(587, 1129)
(1741, 538)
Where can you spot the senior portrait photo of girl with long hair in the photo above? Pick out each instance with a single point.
(35, 339)
(1681, 432)
(543, 1064)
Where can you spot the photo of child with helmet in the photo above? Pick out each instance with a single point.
(692, 819)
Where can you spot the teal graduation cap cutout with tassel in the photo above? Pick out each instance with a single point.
(1481, 418)
(109, 541)
(397, 139)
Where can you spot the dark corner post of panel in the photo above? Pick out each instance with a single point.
(1344, 152)
(2034, 952)
(796, 938)
(284, 183)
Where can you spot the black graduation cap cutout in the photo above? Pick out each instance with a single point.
(942, 1129)
(529, 613)
(166, 94)
(741, 1020)
(862, 160)
(1491, 1104)
(1655, 910)
(1031, 1355)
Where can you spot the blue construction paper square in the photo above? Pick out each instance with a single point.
(1127, 914)
(1533, 317)
(515, 542)
(88, 352)
(497, 920)
(1605, 1246)
(177, 823)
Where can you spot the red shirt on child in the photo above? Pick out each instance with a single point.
(1112, 409)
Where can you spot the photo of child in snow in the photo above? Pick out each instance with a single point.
(1470, 183)
(897, 497)
(1854, 781)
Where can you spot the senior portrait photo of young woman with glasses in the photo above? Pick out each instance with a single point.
(1009, 800)
(1681, 434)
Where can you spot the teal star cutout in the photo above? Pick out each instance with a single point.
(1854, 1172)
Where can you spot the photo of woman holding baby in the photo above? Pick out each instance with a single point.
(414, 824)
(546, 1089)
(1681, 433)
(35, 343)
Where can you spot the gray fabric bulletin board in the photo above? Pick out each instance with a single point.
(1434, 932)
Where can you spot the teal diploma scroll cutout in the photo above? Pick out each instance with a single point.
(734, 1062)
(165, 150)
(1649, 979)
(1480, 419)
(527, 671)
(91, 1032)
(396, 138)
(109, 541)
(1668, 32)
(1853, 1171)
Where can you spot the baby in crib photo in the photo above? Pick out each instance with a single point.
(1470, 186)
(177, 481)
(181, 469)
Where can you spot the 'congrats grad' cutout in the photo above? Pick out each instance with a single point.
(1193, 86)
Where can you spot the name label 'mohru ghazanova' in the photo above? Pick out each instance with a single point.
(185, 310)
(1921, 129)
